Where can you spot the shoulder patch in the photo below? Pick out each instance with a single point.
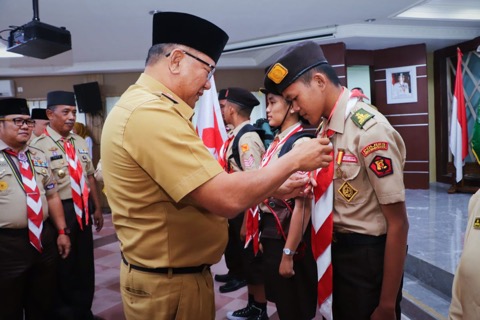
(245, 147)
(360, 117)
(381, 166)
(372, 147)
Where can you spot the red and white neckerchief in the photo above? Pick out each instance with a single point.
(77, 180)
(322, 223)
(252, 232)
(222, 160)
(34, 201)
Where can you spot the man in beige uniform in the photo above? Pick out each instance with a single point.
(76, 276)
(27, 273)
(167, 193)
(244, 151)
(466, 282)
(370, 221)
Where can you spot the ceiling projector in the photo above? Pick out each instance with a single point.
(39, 40)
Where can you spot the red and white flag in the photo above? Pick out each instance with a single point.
(458, 126)
(209, 121)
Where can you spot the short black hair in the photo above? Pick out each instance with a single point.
(326, 69)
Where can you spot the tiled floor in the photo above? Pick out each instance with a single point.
(437, 225)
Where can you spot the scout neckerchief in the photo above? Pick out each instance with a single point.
(26, 179)
(77, 179)
(222, 156)
(252, 232)
(322, 221)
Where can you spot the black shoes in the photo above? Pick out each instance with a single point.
(223, 277)
(232, 285)
(250, 312)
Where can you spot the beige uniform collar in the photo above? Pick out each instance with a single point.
(57, 136)
(337, 122)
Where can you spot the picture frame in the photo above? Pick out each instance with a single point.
(401, 85)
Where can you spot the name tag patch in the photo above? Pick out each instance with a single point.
(380, 145)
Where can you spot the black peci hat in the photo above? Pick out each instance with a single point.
(14, 106)
(294, 62)
(189, 30)
(39, 114)
(242, 97)
(221, 94)
(56, 98)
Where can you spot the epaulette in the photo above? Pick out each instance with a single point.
(166, 95)
(361, 116)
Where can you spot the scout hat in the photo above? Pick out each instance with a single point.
(189, 30)
(293, 63)
(56, 98)
(39, 114)
(221, 94)
(14, 106)
(242, 97)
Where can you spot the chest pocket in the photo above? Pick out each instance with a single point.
(350, 184)
(60, 170)
(7, 180)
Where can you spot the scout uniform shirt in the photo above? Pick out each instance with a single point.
(52, 146)
(152, 158)
(251, 150)
(13, 203)
(369, 158)
(466, 282)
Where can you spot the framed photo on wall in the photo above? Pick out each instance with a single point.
(401, 84)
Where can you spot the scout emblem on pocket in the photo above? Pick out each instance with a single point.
(347, 191)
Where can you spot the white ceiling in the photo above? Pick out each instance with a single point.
(114, 35)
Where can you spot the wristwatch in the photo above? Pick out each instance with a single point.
(288, 252)
(65, 231)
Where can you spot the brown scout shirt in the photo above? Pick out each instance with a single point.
(13, 201)
(251, 150)
(152, 158)
(52, 146)
(371, 170)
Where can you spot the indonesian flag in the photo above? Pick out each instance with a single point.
(209, 122)
(458, 126)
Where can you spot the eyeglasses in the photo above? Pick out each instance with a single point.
(20, 122)
(212, 68)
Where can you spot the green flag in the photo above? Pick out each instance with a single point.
(476, 137)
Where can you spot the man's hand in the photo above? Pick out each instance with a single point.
(295, 186)
(63, 245)
(312, 154)
(98, 220)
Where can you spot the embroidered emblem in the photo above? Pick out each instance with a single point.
(56, 157)
(277, 73)
(347, 191)
(248, 162)
(372, 147)
(3, 185)
(381, 166)
(82, 151)
(245, 148)
(361, 117)
(53, 149)
(476, 223)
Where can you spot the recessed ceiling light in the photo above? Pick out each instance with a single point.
(152, 12)
(370, 20)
